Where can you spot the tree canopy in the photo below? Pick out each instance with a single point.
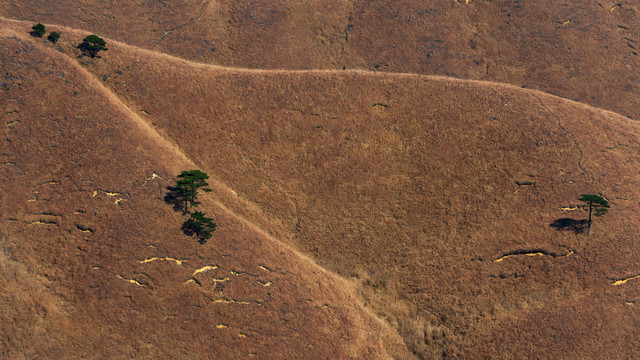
(598, 205)
(38, 30)
(200, 226)
(53, 36)
(92, 44)
(189, 182)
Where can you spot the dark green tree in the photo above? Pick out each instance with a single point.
(92, 44)
(185, 193)
(597, 205)
(53, 36)
(38, 30)
(189, 182)
(200, 226)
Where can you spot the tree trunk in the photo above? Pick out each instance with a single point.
(589, 223)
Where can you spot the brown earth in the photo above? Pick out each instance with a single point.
(435, 196)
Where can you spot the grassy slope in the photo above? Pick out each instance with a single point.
(584, 51)
(83, 212)
(410, 183)
(381, 194)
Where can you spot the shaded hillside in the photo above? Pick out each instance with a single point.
(585, 51)
(436, 194)
(92, 261)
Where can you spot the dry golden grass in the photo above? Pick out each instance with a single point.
(413, 187)
(585, 51)
(86, 213)
(30, 314)
(413, 180)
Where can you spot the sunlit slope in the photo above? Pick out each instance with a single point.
(93, 262)
(585, 51)
(436, 193)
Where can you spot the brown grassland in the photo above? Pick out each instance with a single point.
(94, 264)
(580, 50)
(379, 211)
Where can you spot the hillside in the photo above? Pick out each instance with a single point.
(585, 51)
(93, 263)
(441, 200)
(411, 184)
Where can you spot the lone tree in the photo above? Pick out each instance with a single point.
(189, 182)
(53, 36)
(200, 226)
(38, 30)
(92, 44)
(597, 204)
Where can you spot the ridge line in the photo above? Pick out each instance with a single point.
(363, 72)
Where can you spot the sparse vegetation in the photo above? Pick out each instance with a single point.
(53, 36)
(597, 205)
(37, 30)
(92, 44)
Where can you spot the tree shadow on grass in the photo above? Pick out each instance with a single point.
(175, 197)
(189, 229)
(569, 224)
(193, 230)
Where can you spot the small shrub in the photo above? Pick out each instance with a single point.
(38, 30)
(53, 36)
